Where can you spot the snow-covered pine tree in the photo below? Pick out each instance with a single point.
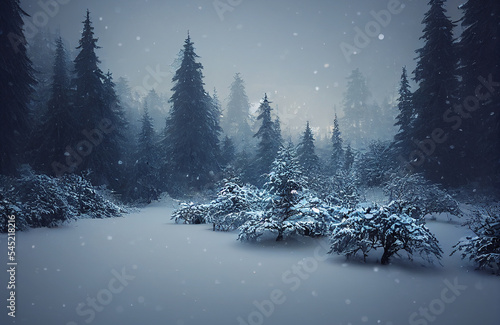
(16, 85)
(237, 116)
(402, 140)
(306, 153)
(337, 156)
(267, 146)
(102, 156)
(390, 228)
(376, 164)
(192, 132)
(348, 158)
(58, 126)
(436, 76)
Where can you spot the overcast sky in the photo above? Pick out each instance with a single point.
(290, 49)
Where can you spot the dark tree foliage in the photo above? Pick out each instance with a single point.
(402, 140)
(100, 123)
(479, 50)
(376, 165)
(356, 106)
(157, 109)
(58, 127)
(337, 157)
(306, 153)
(237, 115)
(436, 77)
(192, 132)
(269, 140)
(16, 85)
(348, 158)
(228, 153)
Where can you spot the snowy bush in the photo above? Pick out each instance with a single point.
(375, 164)
(484, 248)
(191, 213)
(43, 201)
(390, 228)
(417, 191)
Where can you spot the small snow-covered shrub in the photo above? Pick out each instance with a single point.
(191, 213)
(484, 248)
(415, 190)
(388, 227)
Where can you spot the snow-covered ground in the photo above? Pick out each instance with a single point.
(144, 269)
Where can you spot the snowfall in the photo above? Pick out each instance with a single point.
(145, 269)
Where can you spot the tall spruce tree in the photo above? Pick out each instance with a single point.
(437, 82)
(479, 50)
(306, 154)
(402, 140)
(337, 156)
(145, 185)
(268, 145)
(16, 85)
(356, 107)
(99, 121)
(236, 117)
(58, 127)
(192, 132)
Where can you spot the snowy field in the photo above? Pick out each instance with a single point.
(144, 269)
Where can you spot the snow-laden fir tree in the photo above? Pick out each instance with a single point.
(376, 164)
(192, 131)
(391, 228)
(267, 147)
(436, 76)
(58, 126)
(16, 85)
(402, 140)
(348, 158)
(306, 153)
(97, 116)
(337, 156)
(228, 152)
(237, 116)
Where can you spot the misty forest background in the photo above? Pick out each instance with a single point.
(76, 141)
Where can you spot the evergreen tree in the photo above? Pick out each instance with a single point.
(348, 158)
(402, 140)
(16, 84)
(286, 181)
(236, 119)
(267, 146)
(145, 186)
(479, 50)
(337, 157)
(192, 133)
(437, 82)
(306, 152)
(228, 153)
(355, 106)
(157, 110)
(99, 121)
(58, 127)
